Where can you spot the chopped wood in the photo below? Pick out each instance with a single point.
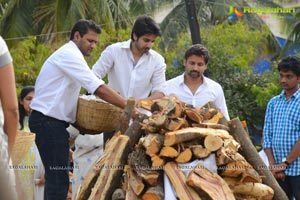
(215, 119)
(145, 104)
(209, 184)
(207, 113)
(152, 143)
(169, 152)
(256, 190)
(154, 193)
(184, 156)
(118, 194)
(106, 171)
(191, 133)
(212, 105)
(240, 169)
(193, 115)
(137, 160)
(231, 144)
(250, 153)
(212, 125)
(157, 162)
(213, 143)
(176, 124)
(178, 180)
(135, 181)
(130, 195)
(222, 157)
(126, 116)
(135, 130)
(199, 151)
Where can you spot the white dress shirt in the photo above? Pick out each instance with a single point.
(59, 82)
(208, 91)
(130, 80)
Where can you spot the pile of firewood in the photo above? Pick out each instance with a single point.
(134, 162)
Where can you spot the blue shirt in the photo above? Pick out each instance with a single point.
(282, 128)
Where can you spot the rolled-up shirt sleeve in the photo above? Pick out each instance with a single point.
(159, 79)
(267, 132)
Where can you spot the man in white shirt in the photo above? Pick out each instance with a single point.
(55, 104)
(193, 87)
(133, 68)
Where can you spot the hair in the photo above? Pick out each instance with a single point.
(22, 111)
(290, 63)
(198, 50)
(83, 26)
(145, 25)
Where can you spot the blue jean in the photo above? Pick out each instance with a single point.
(291, 186)
(52, 140)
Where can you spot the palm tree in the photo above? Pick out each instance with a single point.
(20, 18)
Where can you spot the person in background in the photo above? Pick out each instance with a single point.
(134, 69)
(193, 88)
(9, 117)
(54, 105)
(282, 128)
(32, 179)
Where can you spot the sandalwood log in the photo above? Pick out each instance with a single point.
(130, 195)
(191, 133)
(249, 152)
(212, 105)
(157, 162)
(212, 125)
(199, 151)
(178, 180)
(154, 193)
(193, 115)
(126, 116)
(169, 152)
(231, 144)
(210, 184)
(152, 143)
(176, 124)
(108, 169)
(118, 194)
(137, 160)
(135, 181)
(145, 104)
(184, 156)
(134, 132)
(213, 143)
(256, 190)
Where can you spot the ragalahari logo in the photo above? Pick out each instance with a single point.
(234, 13)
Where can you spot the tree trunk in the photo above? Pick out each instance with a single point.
(249, 152)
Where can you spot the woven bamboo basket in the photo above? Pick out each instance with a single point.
(95, 116)
(23, 143)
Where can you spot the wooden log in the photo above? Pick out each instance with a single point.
(212, 125)
(199, 151)
(213, 106)
(209, 184)
(256, 190)
(213, 143)
(126, 116)
(154, 193)
(135, 130)
(107, 169)
(240, 169)
(193, 115)
(145, 104)
(137, 160)
(169, 152)
(187, 134)
(231, 144)
(130, 195)
(178, 180)
(118, 194)
(135, 181)
(176, 124)
(184, 156)
(157, 162)
(249, 152)
(152, 143)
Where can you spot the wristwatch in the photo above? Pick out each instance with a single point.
(284, 160)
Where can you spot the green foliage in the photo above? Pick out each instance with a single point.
(28, 57)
